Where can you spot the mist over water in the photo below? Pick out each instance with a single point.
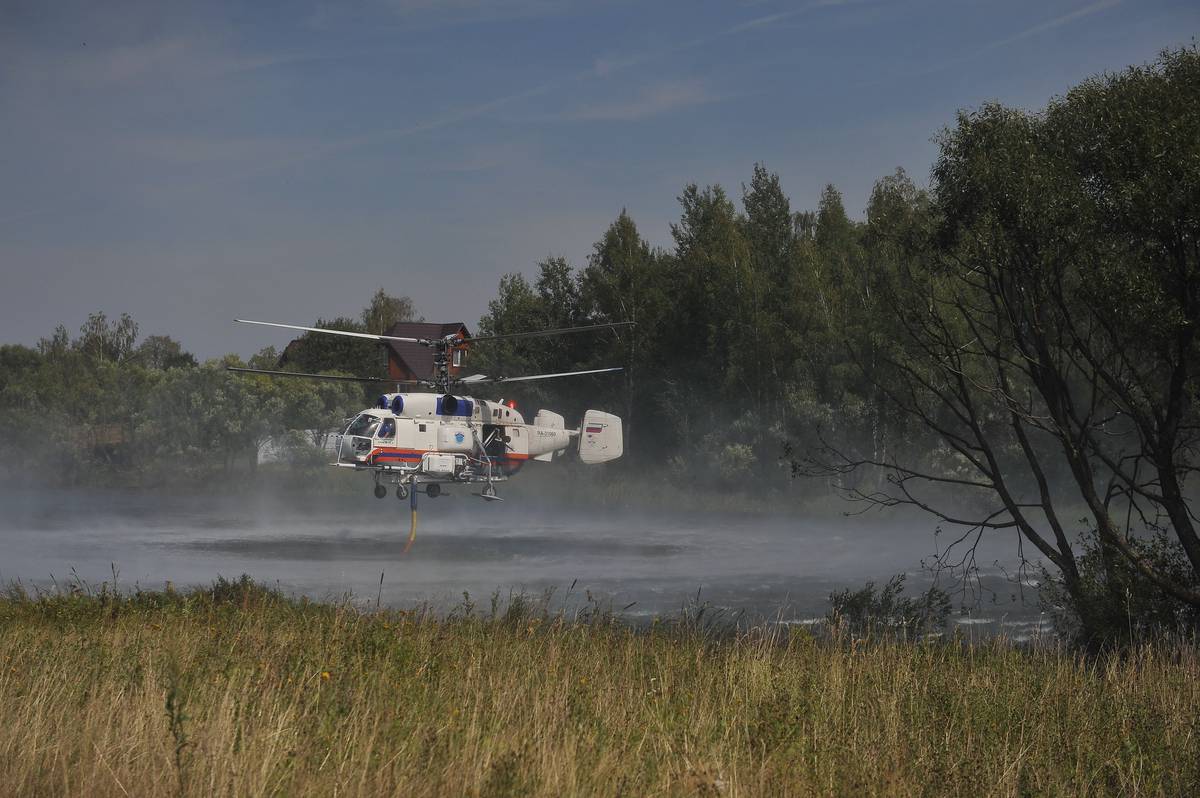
(767, 567)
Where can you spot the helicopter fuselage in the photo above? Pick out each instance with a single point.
(438, 438)
(429, 437)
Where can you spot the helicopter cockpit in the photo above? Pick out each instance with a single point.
(364, 425)
(358, 439)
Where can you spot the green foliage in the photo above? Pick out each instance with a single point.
(16, 363)
(1115, 604)
(384, 310)
(867, 611)
(746, 312)
(99, 408)
(242, 592)
(314, 353)
(163, 352)
(1066, 254)
(103, 341)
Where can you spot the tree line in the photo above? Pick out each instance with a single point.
(1012, 350)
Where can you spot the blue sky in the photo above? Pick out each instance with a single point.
(193, 162)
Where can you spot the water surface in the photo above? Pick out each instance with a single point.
(649, 563)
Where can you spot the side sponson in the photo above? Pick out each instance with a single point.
(600, 437)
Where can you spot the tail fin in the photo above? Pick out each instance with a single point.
(600, 437)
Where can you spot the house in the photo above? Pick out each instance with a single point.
(107, 441)
(415, 362)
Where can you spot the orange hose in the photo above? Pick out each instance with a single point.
(412, 534)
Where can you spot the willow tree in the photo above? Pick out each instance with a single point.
(1046, 332)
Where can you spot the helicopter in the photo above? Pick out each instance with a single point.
(420, 441)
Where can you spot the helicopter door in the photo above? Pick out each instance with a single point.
(494, 442)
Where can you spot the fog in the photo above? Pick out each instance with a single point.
(639, 563)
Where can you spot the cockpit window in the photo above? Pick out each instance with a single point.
(365, 425)
(387, 429)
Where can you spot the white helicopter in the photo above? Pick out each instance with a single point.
(421, 441)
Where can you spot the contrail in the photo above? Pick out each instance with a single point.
(1078, 13)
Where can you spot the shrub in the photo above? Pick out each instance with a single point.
(1118, 605)
(861, 612)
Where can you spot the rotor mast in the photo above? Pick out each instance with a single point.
(441, 363)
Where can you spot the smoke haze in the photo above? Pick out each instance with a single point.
(767, 567)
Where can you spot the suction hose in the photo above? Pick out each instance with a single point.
(412, 503)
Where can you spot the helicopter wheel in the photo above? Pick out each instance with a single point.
(380, 491)
(401, 491)
(489, 490)
(433, 490)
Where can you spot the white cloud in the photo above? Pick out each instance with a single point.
(436, 12)
(497, 7)
(771, 19)
(94, 66)
(606, 65)
(196, 150)
(652, 100)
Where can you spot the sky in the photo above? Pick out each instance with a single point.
(190, 163)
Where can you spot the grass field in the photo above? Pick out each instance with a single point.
(238, 691)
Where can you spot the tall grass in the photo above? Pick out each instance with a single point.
(238, 691)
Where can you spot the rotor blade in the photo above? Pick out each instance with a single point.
(368, 336)
(560, 330)
(479, 378)
(331, 377)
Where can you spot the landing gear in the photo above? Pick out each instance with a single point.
(401, 491)
(489, 493)
(433, 490)
(380, 491)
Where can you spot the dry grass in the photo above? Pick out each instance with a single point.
(240, 692)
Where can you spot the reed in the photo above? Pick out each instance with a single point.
(237, 690)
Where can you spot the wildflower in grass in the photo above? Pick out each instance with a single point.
(325, 675)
